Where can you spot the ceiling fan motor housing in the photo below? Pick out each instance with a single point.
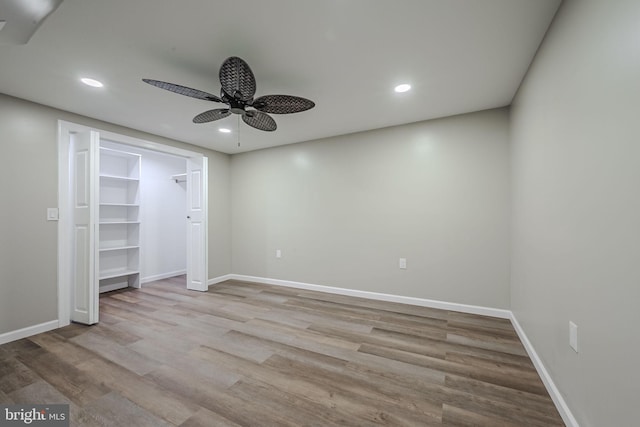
(236, 106)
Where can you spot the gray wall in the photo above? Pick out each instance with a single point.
(343, 210)
(28, 243)
(576, 207)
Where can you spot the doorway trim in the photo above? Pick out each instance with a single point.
(65, 240)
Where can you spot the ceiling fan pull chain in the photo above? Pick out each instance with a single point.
(238, 130)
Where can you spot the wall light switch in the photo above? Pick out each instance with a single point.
(573, 336)
(403, 263)
(52, 214)
(278, 253)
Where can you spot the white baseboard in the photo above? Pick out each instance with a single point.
(422, 302)
(553, 391)
(155, 277)
(28, 331)
(219, 279)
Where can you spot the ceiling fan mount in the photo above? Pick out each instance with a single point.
(238, 87)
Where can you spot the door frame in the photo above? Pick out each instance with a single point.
(65, 238)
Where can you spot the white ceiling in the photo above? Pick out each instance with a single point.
(345, 55)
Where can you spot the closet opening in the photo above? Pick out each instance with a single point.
(142, 216)
(131, 212)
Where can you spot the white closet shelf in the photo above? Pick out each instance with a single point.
(118, 248)
(112, 287)
(122, 178)
(119, 222)
(179, 177)
(110, 274)
(118, 152)
(133, 205)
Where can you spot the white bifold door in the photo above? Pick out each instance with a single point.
(197, 224)
(84, 196)
(85, 159)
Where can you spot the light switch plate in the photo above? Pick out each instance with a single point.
(573, 336)
(402, 263)
(278, 253)
(52, 214)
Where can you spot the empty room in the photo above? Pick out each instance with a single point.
(318, 213)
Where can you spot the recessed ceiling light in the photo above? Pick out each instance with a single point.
(225, 130)
(402, 88)
(91, 82)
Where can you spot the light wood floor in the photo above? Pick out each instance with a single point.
(258, 355)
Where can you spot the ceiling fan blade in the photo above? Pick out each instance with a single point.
(260, 121)
(236, 79)
(212, 115)
(282, 104)
(183, 90)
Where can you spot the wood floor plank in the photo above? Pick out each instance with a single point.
(66, 349)
(19, 347)
(389, 369)
(213, 398)
(386, 340)
(44, 393)
(398, 384)
(163, 403)
(115, 410)
(474, 340)
(308, 333)
(65, 377)
(296, 389)
(118, 336)
(247, 354)
(348, 387)
(207, 418)
(498, 336)
(500, 393)
(130, 316)
(508, 412)
(458, 417)
(5, 399)
(443, 346)
(477, 319)
(499, 367)
(451, 367)
(119, 354)
(282, 409)
(15, 375)
(74, 329)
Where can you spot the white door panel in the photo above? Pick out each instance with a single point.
(197, 224)
(84, 165)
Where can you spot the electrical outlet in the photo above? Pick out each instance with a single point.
(403, 263)
(573, 336)
(278, 253)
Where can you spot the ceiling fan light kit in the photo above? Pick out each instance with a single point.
(238, 87)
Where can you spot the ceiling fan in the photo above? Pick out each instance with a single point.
(238, 86)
